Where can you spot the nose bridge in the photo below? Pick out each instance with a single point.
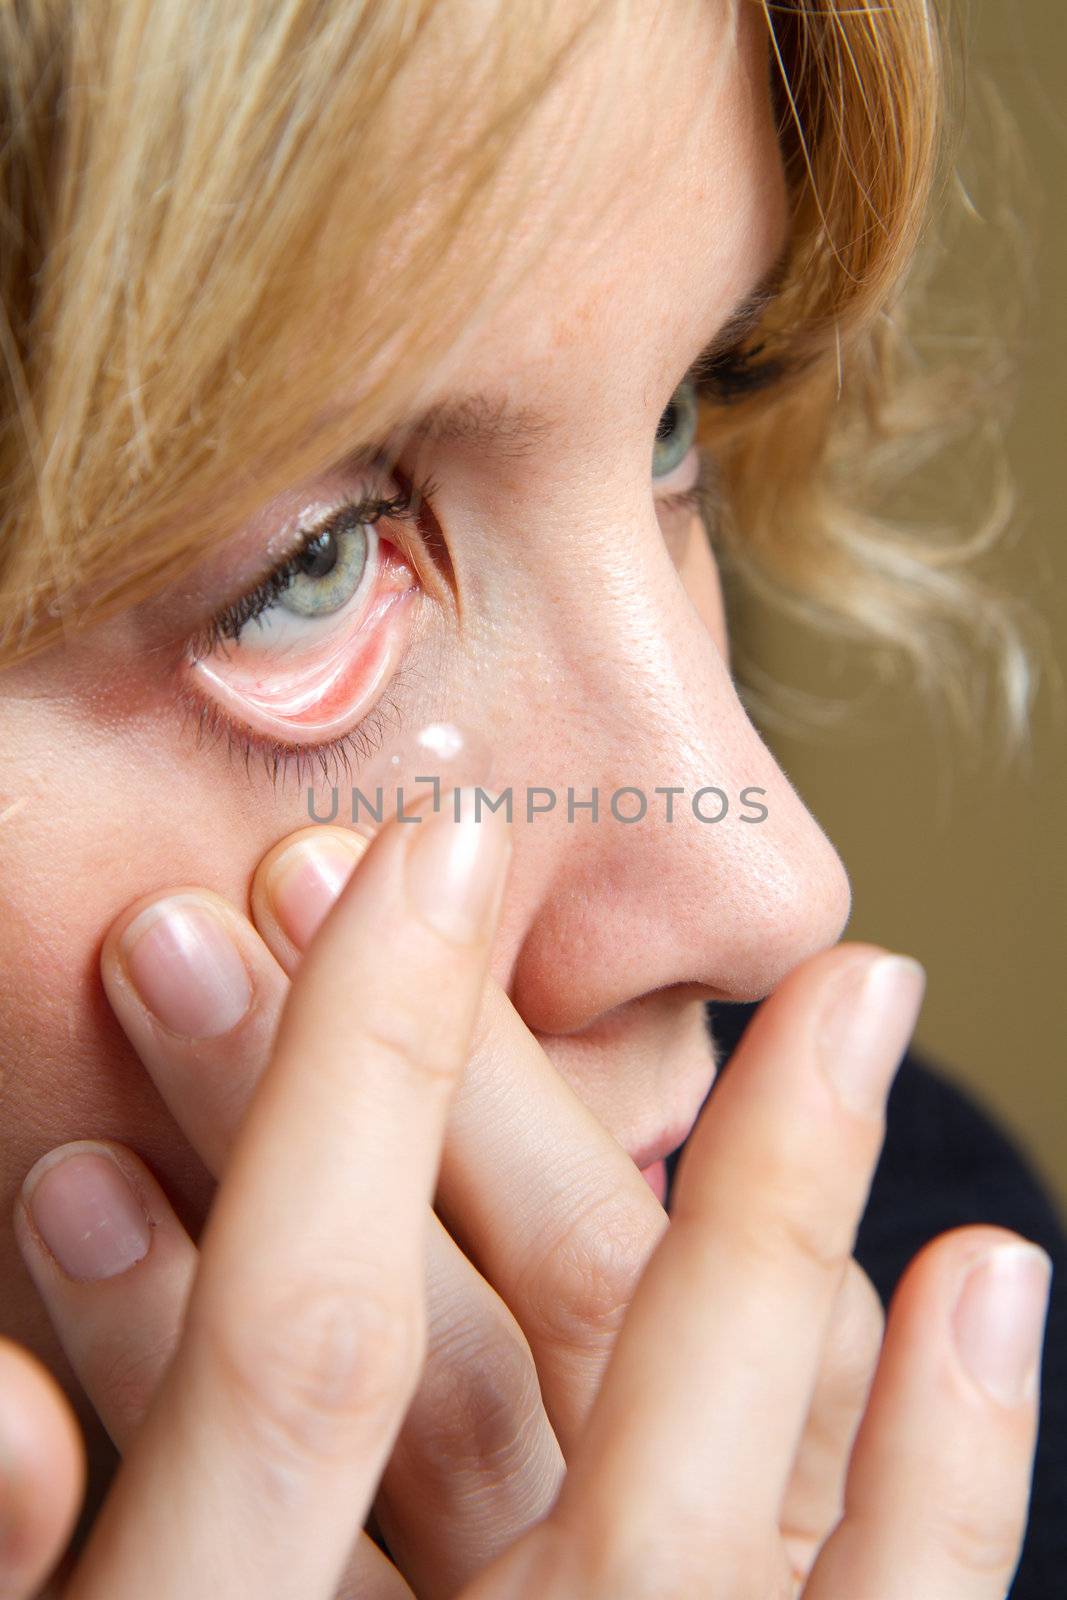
(681, 851)
(643, 697)
(718, 802)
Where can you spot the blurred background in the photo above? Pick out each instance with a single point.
(951, 860)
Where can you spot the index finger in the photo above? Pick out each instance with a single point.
(306, 1328)
(769, 1193)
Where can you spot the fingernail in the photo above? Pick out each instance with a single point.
(305, 880)
(999, 1320)
(456, 864)
(88, 1216)
(186, 968)
(866, 1026)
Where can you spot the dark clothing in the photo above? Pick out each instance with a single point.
(945, 1164)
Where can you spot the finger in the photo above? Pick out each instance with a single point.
(199, 992)
(475, 1463)
(113, 1266)
(476, 1460)
(938, 1488)
(305, 1331)
(198, 995)
(767, 1198)
(296, 884)
(814, 1499)
(565, 1241)
(42, 1472)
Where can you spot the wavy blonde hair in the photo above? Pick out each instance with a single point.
(195, 196)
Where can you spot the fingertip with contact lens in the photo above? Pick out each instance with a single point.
(411, 777)
(407, 772)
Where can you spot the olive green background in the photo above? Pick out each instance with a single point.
(949, 860)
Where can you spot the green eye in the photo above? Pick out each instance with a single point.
(327, 572)
(677, 430)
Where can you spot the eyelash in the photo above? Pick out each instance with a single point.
(227, 625)
(344, 755)
(735, 374)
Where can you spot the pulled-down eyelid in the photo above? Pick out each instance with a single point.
(307, 697)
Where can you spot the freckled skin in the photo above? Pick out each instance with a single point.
(592, 651)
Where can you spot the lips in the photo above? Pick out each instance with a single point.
(664, 1144)
(688, 1067)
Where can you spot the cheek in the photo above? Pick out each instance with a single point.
(132, 816)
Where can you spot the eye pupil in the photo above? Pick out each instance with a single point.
(319, 557)
(330, 568)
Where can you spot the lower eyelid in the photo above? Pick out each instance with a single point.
(318, 697)
(688, 473)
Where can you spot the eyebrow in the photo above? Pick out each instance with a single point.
(516, 430)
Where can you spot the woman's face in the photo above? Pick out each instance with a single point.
(564, 613)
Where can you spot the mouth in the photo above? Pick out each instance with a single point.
(661, 1147)
(656, 1178)
(651, 1153)
(651, 1156)
(691, 1069)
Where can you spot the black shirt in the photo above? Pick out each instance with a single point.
(946, 1164)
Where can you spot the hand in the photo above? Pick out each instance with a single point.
(479, 1456)
(676, 1471)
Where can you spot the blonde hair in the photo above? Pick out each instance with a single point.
(194, 196)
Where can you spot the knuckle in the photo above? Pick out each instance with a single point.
(856, 1336)
(793, 1225)
(126, 1379)
(980, 1538)
(811, 1237)
(318, 1365)
(402, 1041)
(478, 1401)
(866, 1310)
(580, 1287)
(637, 1558)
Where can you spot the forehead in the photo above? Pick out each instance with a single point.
(658, 203)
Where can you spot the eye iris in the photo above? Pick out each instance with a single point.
(327, 572)
(677, 430)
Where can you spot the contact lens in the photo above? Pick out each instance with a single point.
(412, 773)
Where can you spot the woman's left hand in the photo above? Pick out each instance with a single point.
(542, 1229)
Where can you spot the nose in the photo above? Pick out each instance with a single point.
(700, 865)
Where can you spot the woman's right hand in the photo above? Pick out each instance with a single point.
(303, 1343)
